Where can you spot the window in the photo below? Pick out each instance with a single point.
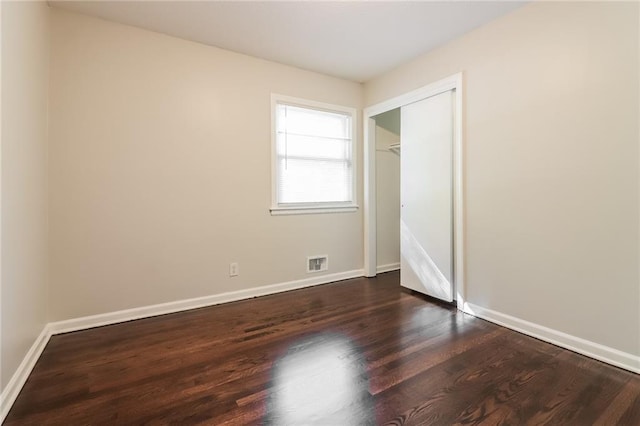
(313, 170)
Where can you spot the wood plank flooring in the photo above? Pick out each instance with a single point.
(357, 352)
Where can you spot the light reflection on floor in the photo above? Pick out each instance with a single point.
(321, 380)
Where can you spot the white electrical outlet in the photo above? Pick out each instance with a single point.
(234, 269)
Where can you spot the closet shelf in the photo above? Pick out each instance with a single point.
(395, 148)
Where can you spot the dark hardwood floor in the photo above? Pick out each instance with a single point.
(361, 351)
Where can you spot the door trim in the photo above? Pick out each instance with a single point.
(453, 82)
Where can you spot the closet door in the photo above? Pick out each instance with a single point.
(426, 194)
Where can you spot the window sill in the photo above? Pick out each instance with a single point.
(282, 211)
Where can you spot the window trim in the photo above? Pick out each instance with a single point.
(320, 207)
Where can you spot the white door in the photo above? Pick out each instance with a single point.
(426, 196)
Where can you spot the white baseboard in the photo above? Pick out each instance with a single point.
(198, 302)
(387, 268)
(576, 344)
(10, 393)
(19, 378)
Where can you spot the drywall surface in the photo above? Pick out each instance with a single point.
(389, 120)
(160, 171)
(551, 164)
(25, 59)
(387, 198)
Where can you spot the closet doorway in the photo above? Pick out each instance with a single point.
(426, 218)
(387, 165)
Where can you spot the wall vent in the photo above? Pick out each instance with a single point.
(317, 263)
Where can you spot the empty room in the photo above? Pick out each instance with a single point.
(320, 213)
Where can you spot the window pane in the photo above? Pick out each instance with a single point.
(314, 181)
(314, 156)
(305, 121)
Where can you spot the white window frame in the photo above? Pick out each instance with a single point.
(320, 207)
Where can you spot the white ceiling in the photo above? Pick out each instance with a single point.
(352, 40)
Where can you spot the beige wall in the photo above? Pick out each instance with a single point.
(551, 155)
(160, 171)
(25, 51)
(387, 199)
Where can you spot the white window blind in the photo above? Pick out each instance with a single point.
(314, 151)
